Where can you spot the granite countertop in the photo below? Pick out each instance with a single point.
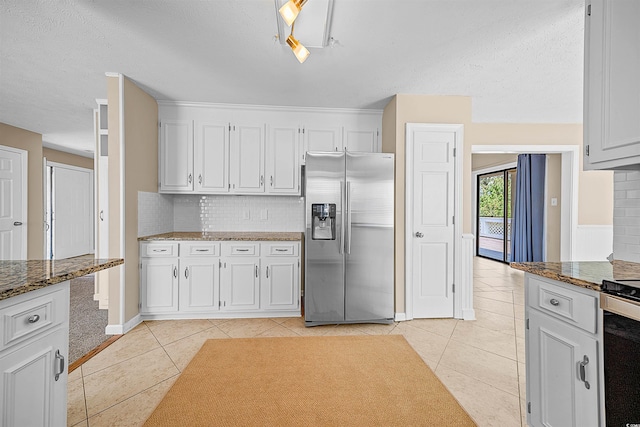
(225, 235)
(19, 277)
(586, 274)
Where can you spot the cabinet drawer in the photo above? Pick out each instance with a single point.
(28, 318)
(280, 249)
(200, 249)
(150, 250)
(241, 249)
(572, 306)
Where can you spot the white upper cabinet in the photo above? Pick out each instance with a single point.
(176, 156)
(211, 158)
(365, 140)
(612, 85)
(247, 158)
(216, 149)
(283, 160)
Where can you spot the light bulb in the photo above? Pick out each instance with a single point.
(290, 11)
(301, 52)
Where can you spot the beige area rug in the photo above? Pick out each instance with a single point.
(309, 381)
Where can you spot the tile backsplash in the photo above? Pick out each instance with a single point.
(626, 216)
(161, 213)
(155, 213)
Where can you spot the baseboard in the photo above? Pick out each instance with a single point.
(137, 319)
(400, 317)
(468, 314)
(114, 330)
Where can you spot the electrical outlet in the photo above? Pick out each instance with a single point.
(554, 201)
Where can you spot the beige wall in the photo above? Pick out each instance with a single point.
(32, 143)
(595, 188)
(67, 158)
(141, 174)
(487, 161)
(140, 130)
(553, 220)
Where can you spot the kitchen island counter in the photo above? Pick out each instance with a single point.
(19, 277)
(227, 236)
(586, 274)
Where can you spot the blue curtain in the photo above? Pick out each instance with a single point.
(527, 223)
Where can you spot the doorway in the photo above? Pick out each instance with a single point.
(494, 212)
(68, 211)
(13, 203)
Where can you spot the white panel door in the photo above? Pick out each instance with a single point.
(432, 230)
(13, 227)
(319, 138)
(72, 211)
(240, 284)
(199, 284)
(211, 158)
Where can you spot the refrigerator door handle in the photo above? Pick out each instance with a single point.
(348, 221)
(342, 222)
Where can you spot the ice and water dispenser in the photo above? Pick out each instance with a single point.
(323, 224)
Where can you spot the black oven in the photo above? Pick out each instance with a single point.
(620, 302)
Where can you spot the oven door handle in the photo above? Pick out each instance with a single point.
(620, 306)
(583, 371)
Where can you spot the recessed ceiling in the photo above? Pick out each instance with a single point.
(520, 61)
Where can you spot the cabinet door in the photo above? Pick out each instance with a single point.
(557, 356)
(283, 162)
(199, 282)
(176, 156)
(612, 85)
(240, 284)
(247, 159)
(159, 285)
(211, 159)
(29, 393)
(363, 140)
(322, 138)
(280, 284)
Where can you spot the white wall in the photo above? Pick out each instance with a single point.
(626, 216)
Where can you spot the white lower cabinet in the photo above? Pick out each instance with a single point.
(159, 290)
(219, 279)
(563, 355)
(33, 358)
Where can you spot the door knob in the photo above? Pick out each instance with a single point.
(419, 234)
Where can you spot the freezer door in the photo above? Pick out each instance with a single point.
(369, 242)
(324, 259)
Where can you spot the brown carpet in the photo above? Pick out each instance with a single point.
(309, 381)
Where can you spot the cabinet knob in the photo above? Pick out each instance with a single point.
(34, 318)
(554, 302)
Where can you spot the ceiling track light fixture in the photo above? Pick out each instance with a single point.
(301, 52)
(290, 10)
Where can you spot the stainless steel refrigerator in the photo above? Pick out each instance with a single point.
(349, 242)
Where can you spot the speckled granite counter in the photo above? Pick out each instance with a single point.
(19, 277)
(586, 274)
(226, 235)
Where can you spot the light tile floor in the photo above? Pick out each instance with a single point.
(481, 362)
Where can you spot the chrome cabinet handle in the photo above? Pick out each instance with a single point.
(419, 235)
(281, 250)
(59, 365)
(101, 215)
(242, 250)
(159, 250)
(175, 272)
(261, 180)
(186, 273)
(190, 178)
(256, 271)
(554, 302)
(271, 178)
(202, 250)
(17, 223)
(200, 179)
(267, 272)
(583, 371)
